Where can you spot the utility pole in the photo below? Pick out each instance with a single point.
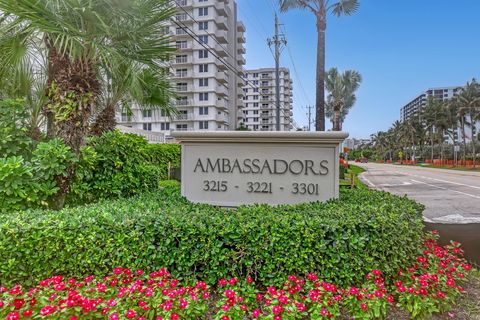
(279, 42)
(309, 114)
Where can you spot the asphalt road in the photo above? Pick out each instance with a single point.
(450, 196)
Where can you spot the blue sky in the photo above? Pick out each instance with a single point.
(399, 47)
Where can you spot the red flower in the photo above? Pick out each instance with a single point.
(130, 314)
(277, 309)
(364, 306)
(113, 316)
(27, 313)
(255, 313)
(117, 270)
(18, 303)
(48, 309)
(390, 298)
(13, 316)
(174, 316)
(229, 293)
(249, 280)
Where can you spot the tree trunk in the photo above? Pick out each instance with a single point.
(464, 139)
(474, 152)
(105, 121)
(336, 117)
(431, 143)
(320, 97)
(72, 91)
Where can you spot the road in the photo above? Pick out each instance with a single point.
(450, 196)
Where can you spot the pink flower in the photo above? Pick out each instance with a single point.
(113, 316)
(229, 293)
(277, 309)
(130, 314)
(174, 316)
(117, 270)
(364, 306)
(255, 313)
(27, 313)
(13, 316)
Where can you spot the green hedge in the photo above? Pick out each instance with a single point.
(121, 165)
(341, 240)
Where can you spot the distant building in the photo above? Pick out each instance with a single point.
(353, 144)
(260, 107)
(415, 106)
(206, 71)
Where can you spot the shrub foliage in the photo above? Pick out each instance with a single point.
(342, 239)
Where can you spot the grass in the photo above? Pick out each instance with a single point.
(347, 182)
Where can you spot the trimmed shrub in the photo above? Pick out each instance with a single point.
(121, 165)
(342, 239)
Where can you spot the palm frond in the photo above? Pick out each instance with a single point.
(344, 7)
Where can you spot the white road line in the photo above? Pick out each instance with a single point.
(442, 188)
(367, 181)
(439, 180)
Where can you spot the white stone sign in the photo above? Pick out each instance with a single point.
(241, 167)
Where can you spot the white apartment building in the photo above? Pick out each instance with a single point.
(206, 70)
(414, 107)
(260, 107)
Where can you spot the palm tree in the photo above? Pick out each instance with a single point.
(469, 106)
(430, 117)
(321, 8)
(341, 97)
(82, 41)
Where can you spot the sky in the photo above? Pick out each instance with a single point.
(401, 48)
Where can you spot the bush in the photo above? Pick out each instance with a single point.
(341, 239)
(121, 165)
(31, 184)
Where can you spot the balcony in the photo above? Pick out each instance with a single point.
(241, 50)
(221, 22)
(241, 60)
(241, 38)
(222, 77)
(182, 88)
(183, 103)
(184, 3)
(266, 77)
(221, 36)
(241, 27)
(220, 7)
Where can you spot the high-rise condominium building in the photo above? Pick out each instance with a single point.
(260, 108)
(206, 70)
(415, 106)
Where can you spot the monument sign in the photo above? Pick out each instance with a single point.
(242, 167)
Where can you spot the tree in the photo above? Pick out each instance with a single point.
(341, 97)
(83, 40)
(431, 116)
(321, 8)
(468, 102)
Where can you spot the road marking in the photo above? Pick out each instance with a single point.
(442, 188)
(405, 183)
(439, 180)
(367, 181)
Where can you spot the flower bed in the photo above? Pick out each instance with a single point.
(342, 239)
(429, 285)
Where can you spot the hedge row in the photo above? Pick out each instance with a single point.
(342, 240)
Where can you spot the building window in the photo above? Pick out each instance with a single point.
(181, 127)
(255, 82)
(181, 59)
(181, 44)
(147, 113)
(203, 82)
(147, 126)
(163, 113)
(203, 25)
(255, 97)
(203, 68)
(255, 89)
(202, 54)
(181, 17)
(255, 104)
(255, 127)
(203, 125)
(203, 11)
(164, 126)
(245, 90)
(203, 96)
(203, 111)
(181, 73)
(255, 119)
(255, 111)
(203, 39)
(181, 31)
(255, 75)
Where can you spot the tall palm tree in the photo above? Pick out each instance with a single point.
(430, 118)
(82, 41)
(321, 8)
(469, 106)
(341, 97)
